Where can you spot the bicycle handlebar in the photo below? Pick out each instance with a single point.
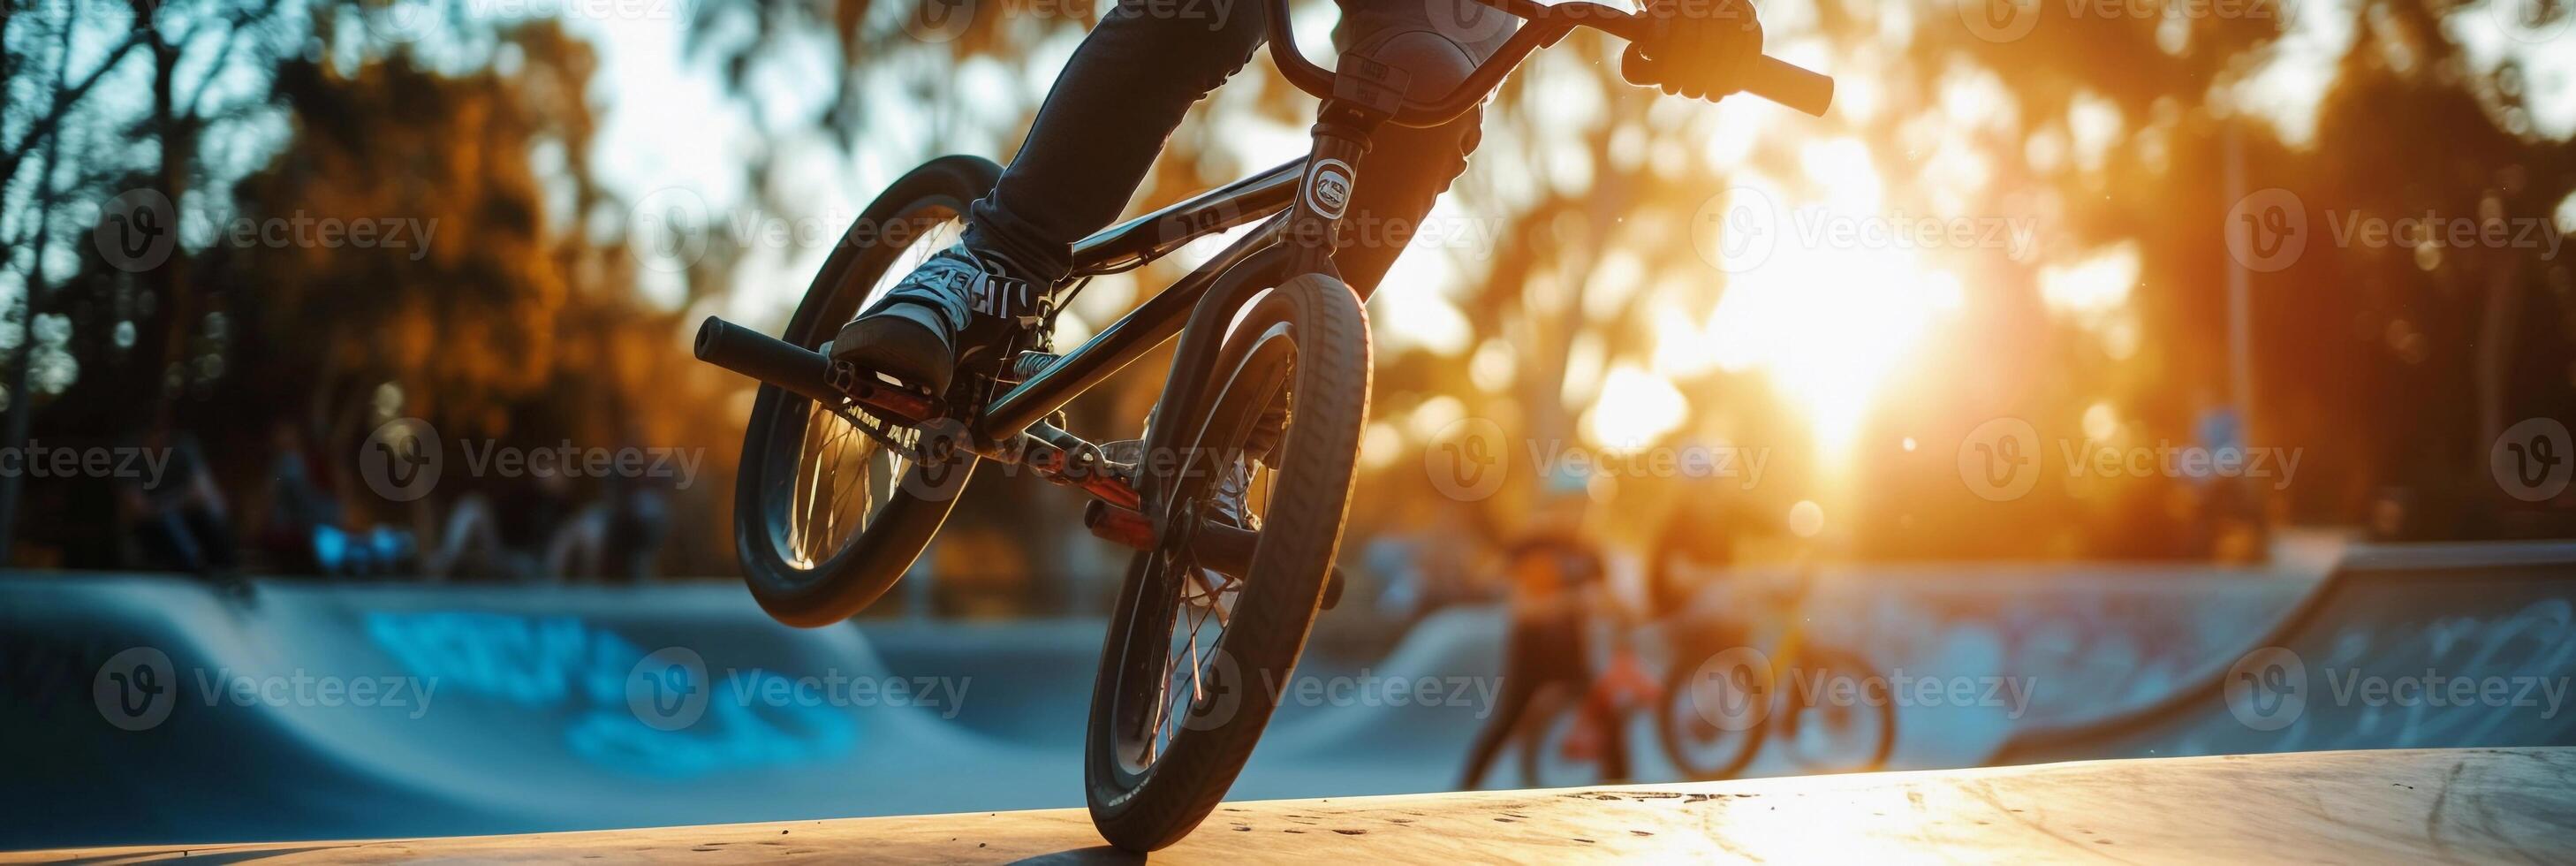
(1771, 78)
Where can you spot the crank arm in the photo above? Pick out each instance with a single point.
(1066, 459)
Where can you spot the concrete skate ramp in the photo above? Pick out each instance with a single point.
(2389, 806)
(2401, 646)
(485, 711)
(522, 715)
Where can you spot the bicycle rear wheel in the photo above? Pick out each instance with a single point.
(1194, 664)
(1829, 736)
(826, 517)
(1557, 750)
(1713, 717)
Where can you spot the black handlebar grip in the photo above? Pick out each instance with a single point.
(768, 359)
(1789, 84)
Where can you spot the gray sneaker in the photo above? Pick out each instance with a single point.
(917, 333)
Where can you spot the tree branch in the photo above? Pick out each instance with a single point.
(64, 99)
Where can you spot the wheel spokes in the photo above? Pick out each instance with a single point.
(835, 493)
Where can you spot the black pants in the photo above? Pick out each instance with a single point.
(1546, 656)
(1126, 88)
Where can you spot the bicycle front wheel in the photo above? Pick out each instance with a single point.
(1195, 661)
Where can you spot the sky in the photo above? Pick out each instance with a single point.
(1826, 328)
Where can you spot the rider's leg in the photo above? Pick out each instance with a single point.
(1407, 169)
(1118, 99)
(1511, 707)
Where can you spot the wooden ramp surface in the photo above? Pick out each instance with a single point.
(2412, 806)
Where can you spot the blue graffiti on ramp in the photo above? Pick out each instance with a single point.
(563, 663)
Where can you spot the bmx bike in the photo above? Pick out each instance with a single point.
(846, 475)
(1712, 729)
(1722, 700)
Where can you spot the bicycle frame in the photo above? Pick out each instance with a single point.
(1359, 95)
(1131, 245)
(1300, 204)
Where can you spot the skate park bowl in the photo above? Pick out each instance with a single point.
(150, 710)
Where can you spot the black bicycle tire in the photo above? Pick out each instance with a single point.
(1828, 663)
(877, 555)
(1676, 697)
(1149, 809)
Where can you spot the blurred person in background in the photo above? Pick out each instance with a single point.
(177, 519)
(1556, 579)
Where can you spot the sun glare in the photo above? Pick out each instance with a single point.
(1825, 320)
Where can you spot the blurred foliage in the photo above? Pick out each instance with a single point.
(2390, 369)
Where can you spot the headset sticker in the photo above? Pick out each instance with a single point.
(1328, 188)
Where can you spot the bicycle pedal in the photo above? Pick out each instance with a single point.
(895, 400)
